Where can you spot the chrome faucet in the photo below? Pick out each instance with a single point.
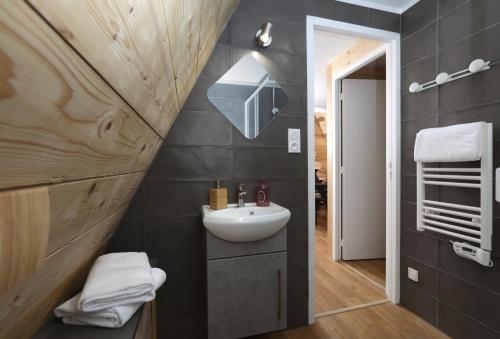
(241, 195)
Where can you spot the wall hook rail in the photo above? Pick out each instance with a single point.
(476, 66)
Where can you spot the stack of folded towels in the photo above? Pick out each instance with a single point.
(117, 286)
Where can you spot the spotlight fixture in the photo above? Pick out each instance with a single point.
(263, 36)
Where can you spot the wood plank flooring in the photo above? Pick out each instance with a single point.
(337, 285)
(385, 321)
(373, 269)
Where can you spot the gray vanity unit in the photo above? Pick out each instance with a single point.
(246, 286)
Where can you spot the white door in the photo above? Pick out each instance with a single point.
(363, 169)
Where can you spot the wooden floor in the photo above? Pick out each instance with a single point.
(338, 285)
(385, 321)
(374, 269)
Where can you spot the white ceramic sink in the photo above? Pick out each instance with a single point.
(245, 224)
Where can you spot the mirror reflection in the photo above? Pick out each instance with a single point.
(248, 97)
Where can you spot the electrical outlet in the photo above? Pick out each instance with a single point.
(412, 274)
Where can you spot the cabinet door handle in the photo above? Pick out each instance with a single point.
(279, 295)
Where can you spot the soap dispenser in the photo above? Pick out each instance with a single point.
(218, 196)
(262, 196)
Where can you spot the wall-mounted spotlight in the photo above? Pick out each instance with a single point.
(263, 36)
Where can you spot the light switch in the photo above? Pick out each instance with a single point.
(412, 274)
(293, 140)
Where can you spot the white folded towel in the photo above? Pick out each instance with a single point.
(449, 144)
(113, 317)
(117, 279)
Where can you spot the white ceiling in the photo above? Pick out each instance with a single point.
(395, 6)
(326, 46)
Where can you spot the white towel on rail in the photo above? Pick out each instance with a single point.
(112, 317)
(117, 279)
(449, 144)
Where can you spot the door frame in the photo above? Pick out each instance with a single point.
(392, 49)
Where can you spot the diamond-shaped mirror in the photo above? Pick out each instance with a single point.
(248, 96)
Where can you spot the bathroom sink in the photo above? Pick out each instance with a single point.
(245, 224)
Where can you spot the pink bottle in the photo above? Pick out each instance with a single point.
(262, 196)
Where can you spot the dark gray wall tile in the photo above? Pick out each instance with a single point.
(418, 45)
(444, 6)
(287, 10)
(129, 237)
(459, 326)
(420, 104)
(471, 91)
(470, 299)
(419, 15)
(197, 99)
(297, 253)
(297, 287)
(467, 19)
(409, 164)
(182, 268)
(268, 163)
(384, 20)
(337, 10)
(297, 226)
(182, 234)
(427, 276)
(488, 113)
(200, 128)
(468, 270)
(175, 198)
(196, 162)
(420, 71)
(412, 127)
(483, 45)
(288, 37)
(186, 301)
(419, 302)
(276, 134)
(419, 246)
(297, 312)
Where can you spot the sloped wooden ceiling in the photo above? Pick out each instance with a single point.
(88, 92)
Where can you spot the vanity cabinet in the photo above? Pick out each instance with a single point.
(246, 286)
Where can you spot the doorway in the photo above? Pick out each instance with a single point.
(332, 239)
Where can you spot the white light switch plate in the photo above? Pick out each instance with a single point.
(412, 274)
(293, 140)
(497, 185)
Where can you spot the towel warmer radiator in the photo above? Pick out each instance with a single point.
(471, 224)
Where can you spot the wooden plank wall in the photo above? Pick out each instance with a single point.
(88, 92)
